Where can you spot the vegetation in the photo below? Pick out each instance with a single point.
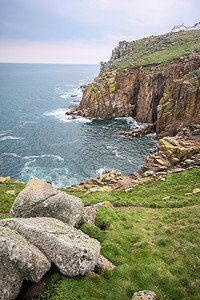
(160, 49)
(153, 249)
(194, 79)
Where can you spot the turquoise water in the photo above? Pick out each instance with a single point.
(37, 139)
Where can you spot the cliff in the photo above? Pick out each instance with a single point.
(156, 80)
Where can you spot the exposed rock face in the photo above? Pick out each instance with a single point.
(40, 198)
(180, 151)
(19, 260)
(138, 92)
(117, 52)
(72, 251)
(179, 108)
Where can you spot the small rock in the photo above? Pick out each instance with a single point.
(104, 264)
(196, 191)
(166, 198)
(11, 192)
(144, 295)
(178, 170)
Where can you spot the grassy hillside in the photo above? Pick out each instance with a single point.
(154, 242)
(160, 49)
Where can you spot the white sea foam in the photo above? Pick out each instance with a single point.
(43, 156)
(100, 171)
(11, 154)
(65, 96)
(60, 115)
(10, 137)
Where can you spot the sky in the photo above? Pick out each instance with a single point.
(83, 31)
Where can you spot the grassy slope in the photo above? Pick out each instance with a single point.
(160, 49)
(155, 249)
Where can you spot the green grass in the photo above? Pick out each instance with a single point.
(160, 49)
(151, 194)
(153, 249)
(6, 200)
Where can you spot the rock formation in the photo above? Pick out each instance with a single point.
(117, 52)
(30, 245)
(153, 80)
(41, 199)
(145, 95)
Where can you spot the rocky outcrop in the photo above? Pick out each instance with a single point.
(117, 53)
(139, 91)
(180, 105)
(108, 181)
(150, 128)
(174, 153)
(19, 260)
(28, 246)
(41, 199)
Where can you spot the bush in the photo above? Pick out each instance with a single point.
(104, 217)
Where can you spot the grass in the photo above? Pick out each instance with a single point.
(177, 186)
(160, 49)
(153, 249)
(6, 200)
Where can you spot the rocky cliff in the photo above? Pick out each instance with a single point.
(158, 81)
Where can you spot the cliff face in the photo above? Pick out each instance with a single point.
(148, 94)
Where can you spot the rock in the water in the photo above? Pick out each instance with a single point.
(72, 251)
(19, 260)
(144, 295)
(91, 211)
(40, 198)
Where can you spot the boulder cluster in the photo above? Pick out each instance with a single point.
(44, 230)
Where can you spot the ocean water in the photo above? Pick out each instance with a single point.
(37, 138)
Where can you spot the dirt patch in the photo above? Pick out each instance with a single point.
(4, 215)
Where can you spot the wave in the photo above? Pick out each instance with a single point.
(43, 156)
(11, 154)
(10, 137)
(60, 115)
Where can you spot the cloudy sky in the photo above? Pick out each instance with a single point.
(83, 31)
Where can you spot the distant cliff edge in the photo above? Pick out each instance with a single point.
(153, 80)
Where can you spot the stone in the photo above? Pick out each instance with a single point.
(2, 179)
(11, 192)
(91, 211)
(196, 191)
(19, 260)
(40, 199)
(178, 170)
(72, 251)
(166, 198)
(103, 265)
(144, 295)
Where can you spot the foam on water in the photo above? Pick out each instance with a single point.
(9, 137)
(43, 156)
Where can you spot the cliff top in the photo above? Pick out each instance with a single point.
(153, 50)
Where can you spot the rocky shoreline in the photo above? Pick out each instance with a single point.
(174, 154)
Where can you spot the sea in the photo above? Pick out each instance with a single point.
(38, 139)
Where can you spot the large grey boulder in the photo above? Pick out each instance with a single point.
(19, 260)
(41, 199)
(72, 251)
